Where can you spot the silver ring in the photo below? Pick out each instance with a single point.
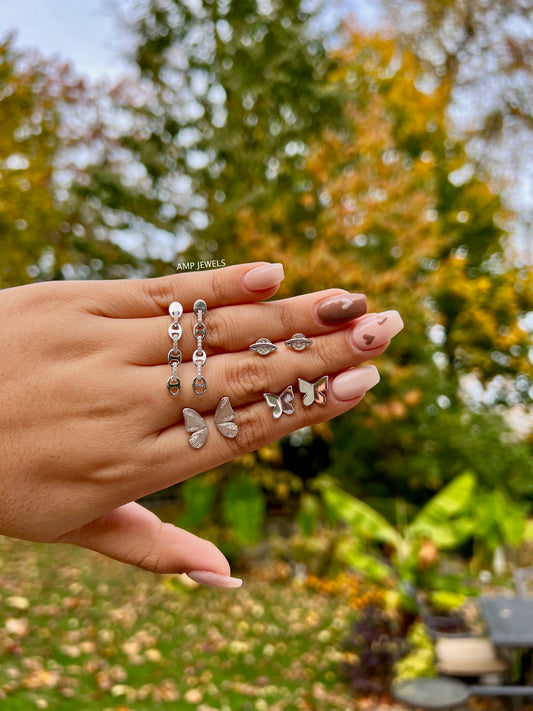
(263, 346)
(298, 342)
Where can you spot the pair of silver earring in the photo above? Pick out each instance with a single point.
(311, 392)
(196, 425)
(199, 356)
(264, 346)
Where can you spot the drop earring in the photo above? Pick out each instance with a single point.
(199, 357)
(174, 355)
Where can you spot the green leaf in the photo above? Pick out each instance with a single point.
(451, 501)
(446, 536)
(363, 520)
(376, 570)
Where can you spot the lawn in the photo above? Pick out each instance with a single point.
(78, 631)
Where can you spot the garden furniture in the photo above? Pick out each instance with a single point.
(431, 693)
(523, 580)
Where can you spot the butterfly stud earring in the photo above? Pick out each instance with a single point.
(224, 417)
(281, 404)
(314, 392)
(196, 426)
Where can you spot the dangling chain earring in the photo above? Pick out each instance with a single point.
(174, 355)
(199, 357)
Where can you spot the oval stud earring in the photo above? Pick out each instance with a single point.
(298, 342)
(263, 346)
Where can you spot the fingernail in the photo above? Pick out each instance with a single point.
(341, 308)
(376, 330)
(264, 277)
(214, 580)
(355, 382)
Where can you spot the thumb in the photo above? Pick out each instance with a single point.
(132, 534)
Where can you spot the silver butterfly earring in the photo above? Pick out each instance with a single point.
(314, 392)
(196, 426)
(224, 417)
(281, 404)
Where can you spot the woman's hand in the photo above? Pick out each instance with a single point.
(88, 426)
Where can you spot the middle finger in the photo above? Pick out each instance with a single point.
(235, 328)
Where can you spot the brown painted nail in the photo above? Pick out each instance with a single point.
(341, 308)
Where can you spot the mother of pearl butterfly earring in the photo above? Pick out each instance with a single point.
(314, 392)
(281, 404)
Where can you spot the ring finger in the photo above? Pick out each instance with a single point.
(170, 459)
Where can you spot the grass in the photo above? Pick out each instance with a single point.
(79, 631)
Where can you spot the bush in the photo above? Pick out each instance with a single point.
(373, 648)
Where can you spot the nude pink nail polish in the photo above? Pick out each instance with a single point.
(264, 277)
(214, 580)
(376, 330)
(354, 382)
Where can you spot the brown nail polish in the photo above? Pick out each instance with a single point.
(341, 308)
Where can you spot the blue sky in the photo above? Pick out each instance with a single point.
(87, 33)
(83, 31)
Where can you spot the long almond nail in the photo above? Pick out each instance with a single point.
(354, 382)
(214, 580)
(264, 277)
(376, 330)
(341, 308)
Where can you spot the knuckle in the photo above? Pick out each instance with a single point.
(326, 352)
(253, 433)
(159, 291)
(216, 328)
(151, 558)
(248, 377)
(286, 316)
(219, 286)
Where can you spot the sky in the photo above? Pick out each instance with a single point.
(87, 33)
(82, 31)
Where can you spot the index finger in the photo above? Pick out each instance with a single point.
(144, 298)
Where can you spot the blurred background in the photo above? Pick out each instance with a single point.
(383, 147)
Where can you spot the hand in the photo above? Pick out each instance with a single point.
(88, 426)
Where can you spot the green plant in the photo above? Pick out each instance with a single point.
(410, 552)
(420, 659)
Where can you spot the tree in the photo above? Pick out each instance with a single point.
(340, 163)
(46, 233)
(486, 51)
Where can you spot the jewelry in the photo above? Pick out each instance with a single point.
(314, 392)
(263, 346)
(298, 342)
(197, 426)
(224, 417)
(199, 356)
(174, 355)
(281, 404)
